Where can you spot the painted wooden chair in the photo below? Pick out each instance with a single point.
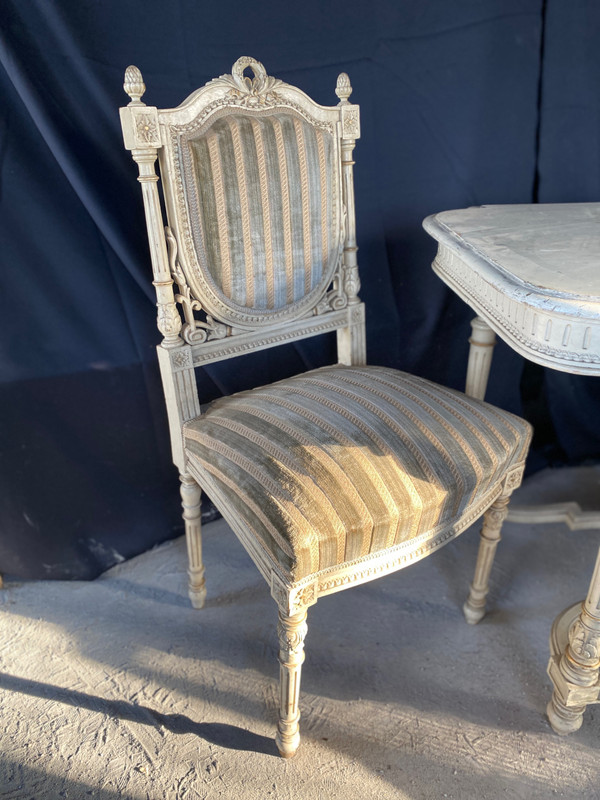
(336, 476)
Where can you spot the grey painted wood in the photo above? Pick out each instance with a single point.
(532, 274)
(200, 324)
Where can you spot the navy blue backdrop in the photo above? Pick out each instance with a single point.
(463, 102)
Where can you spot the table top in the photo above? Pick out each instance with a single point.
(532, 272)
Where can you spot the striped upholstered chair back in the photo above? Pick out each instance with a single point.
(268, 225)
(257, 203)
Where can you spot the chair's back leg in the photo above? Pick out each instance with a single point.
(191, 496)
(474, 607)
(292, 630)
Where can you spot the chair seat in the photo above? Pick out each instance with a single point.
(342, 462)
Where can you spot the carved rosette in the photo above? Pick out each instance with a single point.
(350, 122)
(513, 480)
(181, 359)
(308, 595)
(146, 129)
(357, 314)
(294, 600)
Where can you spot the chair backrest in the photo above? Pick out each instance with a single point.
(258, 188)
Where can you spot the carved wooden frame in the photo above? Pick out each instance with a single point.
(212, 329)
(191, 119)
(225, 331)
(294, 597)
(559, 338)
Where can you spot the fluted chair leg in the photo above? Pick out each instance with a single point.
(191, 496)
(474, 607)
(292, 630)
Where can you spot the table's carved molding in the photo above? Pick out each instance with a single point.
(533, 331)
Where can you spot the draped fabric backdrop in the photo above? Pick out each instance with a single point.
(463, 102)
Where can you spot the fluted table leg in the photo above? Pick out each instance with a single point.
(481, 349)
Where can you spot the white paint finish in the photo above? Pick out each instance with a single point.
(553, 249)
(574, 665)
(544, 259)
(114, 686)
(481, 349)
(474, 607)
(228, 94)
(568, 512)
(532, 273)
(191, 498)
(212, 329)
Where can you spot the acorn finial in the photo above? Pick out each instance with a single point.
(134, 85)
(343, 88)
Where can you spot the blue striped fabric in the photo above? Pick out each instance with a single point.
(342, 462)
(268, 222)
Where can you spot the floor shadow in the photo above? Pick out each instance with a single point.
(152, 593)
(29, 783)
(216, 733)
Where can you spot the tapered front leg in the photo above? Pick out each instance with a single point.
(191, 496)
(292, 630)
(474, 608)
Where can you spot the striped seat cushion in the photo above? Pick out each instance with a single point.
(341, 462)
(268, 217)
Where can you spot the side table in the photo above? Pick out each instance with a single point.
(532, 275)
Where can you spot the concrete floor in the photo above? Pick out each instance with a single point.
(118, 689)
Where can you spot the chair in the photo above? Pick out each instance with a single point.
(333, 477)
